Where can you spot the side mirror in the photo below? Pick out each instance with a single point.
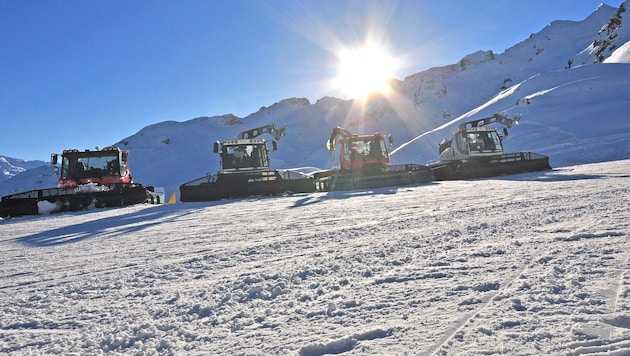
(505, 132)
(391, 140)
(274, 145)
(54, 159)
(215, 147)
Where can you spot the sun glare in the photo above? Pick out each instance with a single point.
(365, 70)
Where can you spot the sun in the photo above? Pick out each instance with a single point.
(364, 70)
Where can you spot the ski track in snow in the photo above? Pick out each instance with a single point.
(527, 264)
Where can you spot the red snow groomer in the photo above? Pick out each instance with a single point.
(90, 178)
(107, 167)
(364, 162)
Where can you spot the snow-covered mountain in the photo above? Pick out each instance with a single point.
(10, 167)
(568, 82)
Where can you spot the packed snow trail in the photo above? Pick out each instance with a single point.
(527, 264)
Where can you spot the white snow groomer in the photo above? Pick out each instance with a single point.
(245, 170)
(476, 151)
(364, 162)
(90, 178)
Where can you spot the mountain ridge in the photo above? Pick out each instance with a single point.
(538, 78)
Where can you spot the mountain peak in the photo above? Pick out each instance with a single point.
(608, 39)
(285, 103)
(476, 58)
(10, 167)
(557, 98)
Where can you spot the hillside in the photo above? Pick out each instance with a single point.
(533, 79)
(10, 167)
(567, 81)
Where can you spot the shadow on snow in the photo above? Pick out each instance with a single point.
(554, 175)
(346, 194)
(145, 218)
(110, 226)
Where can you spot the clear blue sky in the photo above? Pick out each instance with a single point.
(79, 74)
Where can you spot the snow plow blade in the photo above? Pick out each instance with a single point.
(52, 200)
(394, 175)
(491, 166)
(240, 185)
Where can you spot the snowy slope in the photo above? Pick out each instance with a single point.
(574, 116)
(621, 55)
(10, 167)
(533, 264)
(35, 178)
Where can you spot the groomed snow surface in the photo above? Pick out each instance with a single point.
(527, 264)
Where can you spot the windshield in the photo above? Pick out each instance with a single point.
(74, 166)
(484, 141)
(245, 156)
(369, 148)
